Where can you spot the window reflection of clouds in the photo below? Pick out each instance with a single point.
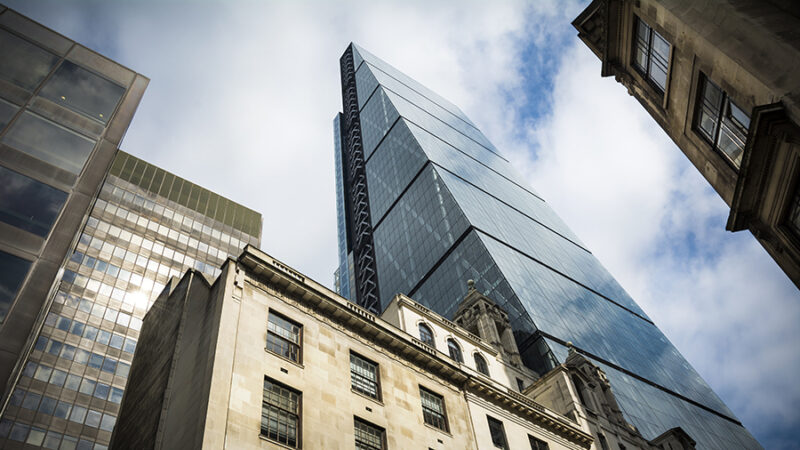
(49, 142)
(82, 91)
(12, 271)
(28, 204)
(24, 64)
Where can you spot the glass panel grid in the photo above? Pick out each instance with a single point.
(280, 414)
(283, 337)
(433, 411)
(364, 376)
(368, 436)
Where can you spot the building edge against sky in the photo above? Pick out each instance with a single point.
(425, 202)
(97, 231)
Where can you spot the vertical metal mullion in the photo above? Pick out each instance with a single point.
(720, 113)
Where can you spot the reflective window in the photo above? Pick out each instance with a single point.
(280, 414)
(480, 364)
(368, 436)
(49, 142)
(433, 411)
(283, 337)
(793, 218)
(24, 64)
(7, 111)
(721, 122)
(28, 204)
(364, 376)
(651, 54)
(426, 335)
(454, 350)
(12, 272)
(497, 432)
(83, 92)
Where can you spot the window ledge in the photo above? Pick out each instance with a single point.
(300, 365)
(437, 429)
(279, 444)
(360, 394)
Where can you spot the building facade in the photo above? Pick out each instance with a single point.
(146, 226)
(63, 112)
(428, 202)
(267, 358)
(720, 78)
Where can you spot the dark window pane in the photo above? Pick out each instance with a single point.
(24, 64)
(49, 142)
(7, 111)
(480, 364)
(12, 272)
(426, 335)
(497, 432)
(83, 92)
(454, 350)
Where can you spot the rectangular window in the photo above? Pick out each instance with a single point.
(651, 54)
(12, 273)
(364, 376)
(720, 121)
(49, 142)
(29, 204)
(497, 432)
(369, 436)
(82, 91)
(433, 411)
(24, 64)
(280, 414)
(284, 337)
(538, 444)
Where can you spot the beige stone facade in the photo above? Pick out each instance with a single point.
(750, 52)
(207, 366)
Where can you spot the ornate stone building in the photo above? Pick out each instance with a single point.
(267, 358)
(720, 77)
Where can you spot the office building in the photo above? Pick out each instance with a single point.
(429, 202)
(720, 77)
(89, 235)
(267, 358)
(146, 226)
(63, 112)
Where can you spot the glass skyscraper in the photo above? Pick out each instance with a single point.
(146, 226)
(425, 202)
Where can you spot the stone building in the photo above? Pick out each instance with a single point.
(267, 358)
(721, 78)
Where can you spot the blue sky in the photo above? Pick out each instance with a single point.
(241, 100)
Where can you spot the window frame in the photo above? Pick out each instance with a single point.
(442, 417)
(378, 391)
(298, 414)
(453, 347)
(724, 121)
(497, 433)
(538, 444)
(298, 345)
(483, 363)
(423, 326)
(359, 421)
(646, 71)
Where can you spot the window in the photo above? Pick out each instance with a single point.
(480, 364)
(603, 442)
(426, 335)
(283, 337)
(455, 351)
(497, 432)
(83, 92)
(24, 64)
(793, 218)
(7, 111)
(579, 389)
(720, 121)
(12, 272)
(433, 411)
(651, 54)
(538, 444)
(49, 142)
(369, 436)
(520, 385)
(364, 376)
(280, 414)
(29, 204)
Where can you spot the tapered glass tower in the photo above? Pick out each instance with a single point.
(426, 202)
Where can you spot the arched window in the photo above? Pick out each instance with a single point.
(455, 351)
(480, 364)
(426, 335)
(579, 389)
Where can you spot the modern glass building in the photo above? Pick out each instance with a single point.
(146, 226)
(426, 202)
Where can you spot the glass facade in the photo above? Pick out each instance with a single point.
(445, 207)
(135, 239)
